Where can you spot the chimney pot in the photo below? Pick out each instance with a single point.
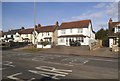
(39, 25)
(57, 24)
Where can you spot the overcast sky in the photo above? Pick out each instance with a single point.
(18, 14)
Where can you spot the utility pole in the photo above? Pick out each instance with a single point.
(34, 22)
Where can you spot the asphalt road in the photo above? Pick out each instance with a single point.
(23, 66)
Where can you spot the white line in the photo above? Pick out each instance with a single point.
(59, 63)
(52, 62)
(104, 60)
(54, 70)
(9, 65)
(2, 69)
(41, 72)
(85, 62)
(13, 76)
(31, 79)
(35, 59)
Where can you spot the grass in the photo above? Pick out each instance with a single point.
(33, 49)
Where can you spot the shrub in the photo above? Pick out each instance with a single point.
(44, 43)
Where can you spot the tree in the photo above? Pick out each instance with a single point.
(119, 40)
(102, 35)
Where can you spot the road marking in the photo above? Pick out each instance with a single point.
(60, 63)
(51, 72)
(13, 76)
(8, 63)
(2, 69)
(103, 60)
(34, 59)
(85, 62)
(31, 79)
(47, 74)
(52, 69)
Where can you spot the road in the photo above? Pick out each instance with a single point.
(23, 66)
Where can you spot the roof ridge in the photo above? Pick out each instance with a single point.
(77, 21)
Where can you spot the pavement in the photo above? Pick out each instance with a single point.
(26, 66)
(82, 51)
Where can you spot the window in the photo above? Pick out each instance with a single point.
(42, 34)
(26, 35)
(48, 34)
(62, 31)
(62, 40)
(80, 30)
(119, 29)
(70, 30)
(80, 39)
(17, 36)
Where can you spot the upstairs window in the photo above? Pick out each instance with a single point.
(48, 34)
(26, 35)
(42, 34)
(62, 31)
(118, 29)
(70, 30)
(80, 30)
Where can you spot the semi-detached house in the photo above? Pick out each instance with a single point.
(80, 31)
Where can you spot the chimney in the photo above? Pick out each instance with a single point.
(22, 28)
(110, 24)
(9, 30)
(57, 24)
(36, 26)
(39, 25)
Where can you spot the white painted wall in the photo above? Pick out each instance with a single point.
(85, 31)
(68, 31)
(42, 35)
(17, 38)
(40, 46)
(110, 42)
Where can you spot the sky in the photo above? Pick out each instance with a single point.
(18, 14)
(0, 16)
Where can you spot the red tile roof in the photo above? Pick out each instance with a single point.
(115, 23)
(75, 24)
(26, 31)
(50, 28)
(111, 31)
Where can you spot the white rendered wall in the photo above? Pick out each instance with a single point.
(110, 42)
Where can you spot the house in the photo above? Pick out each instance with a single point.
(47, 33)
(114, 31)
(76, 31)
(1, 36)
(25, 35)
(10, 35)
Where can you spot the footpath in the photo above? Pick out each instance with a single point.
(82, 51)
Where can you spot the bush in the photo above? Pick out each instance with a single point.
(119, 40)
(44, 43)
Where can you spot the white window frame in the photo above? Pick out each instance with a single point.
(71, 31)
(63, 31)
(80, 30)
